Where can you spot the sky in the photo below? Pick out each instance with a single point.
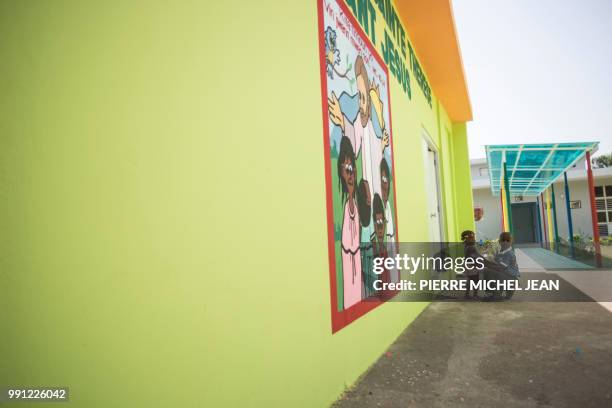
(538, 71)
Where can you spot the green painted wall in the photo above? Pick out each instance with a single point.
(162, 201)
(462, 179)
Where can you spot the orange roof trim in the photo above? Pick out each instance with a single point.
(431, 27)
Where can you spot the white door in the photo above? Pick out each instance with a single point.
(432, 191)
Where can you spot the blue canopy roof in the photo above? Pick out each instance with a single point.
(533, 167)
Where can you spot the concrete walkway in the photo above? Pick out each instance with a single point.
(526, 263)
(496, 354)
(551, 260)
(596, 283)
(501, 354)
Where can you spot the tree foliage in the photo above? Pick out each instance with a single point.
(604, 160)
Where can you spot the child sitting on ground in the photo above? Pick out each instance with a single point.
(507, 259)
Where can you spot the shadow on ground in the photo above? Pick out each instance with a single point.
(502, 354)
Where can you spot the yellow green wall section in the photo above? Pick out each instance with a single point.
(163, 222)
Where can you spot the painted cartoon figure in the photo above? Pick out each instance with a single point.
(379, 244)
(364, 203)
(351, 229)
(364, 141)
(385, 183)
(378, 216)
(361, 131)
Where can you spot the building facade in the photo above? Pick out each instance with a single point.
(169, 180)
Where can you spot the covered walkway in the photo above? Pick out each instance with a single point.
(503, 354)
(520, 170)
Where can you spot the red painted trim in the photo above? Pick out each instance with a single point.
(327, 162)
(593, 209)
(342, 318)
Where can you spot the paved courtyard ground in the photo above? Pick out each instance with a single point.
(499, 354)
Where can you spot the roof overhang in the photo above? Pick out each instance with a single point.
(480, 160)
(431, 27)
(531, 168)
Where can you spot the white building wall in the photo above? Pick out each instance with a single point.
(490, 224)
(581, 217)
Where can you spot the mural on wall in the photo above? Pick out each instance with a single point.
(360, 185)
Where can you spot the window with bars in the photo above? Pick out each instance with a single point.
(603, 204)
